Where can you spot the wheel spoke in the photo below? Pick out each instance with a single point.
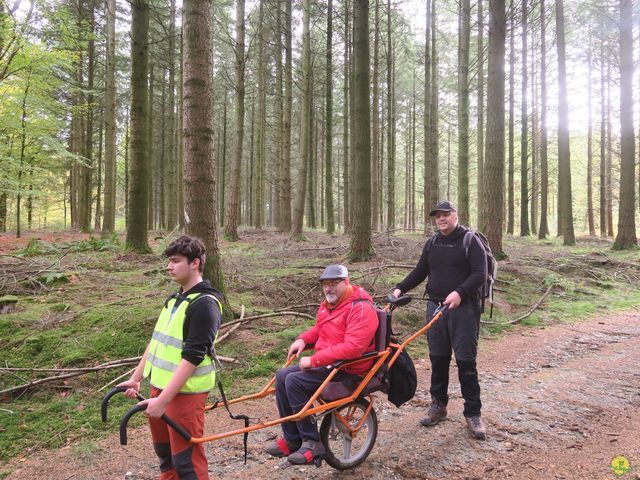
(346, 447)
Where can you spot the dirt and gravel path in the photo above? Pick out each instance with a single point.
(560, 402)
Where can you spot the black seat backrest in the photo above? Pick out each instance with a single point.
(382, 334)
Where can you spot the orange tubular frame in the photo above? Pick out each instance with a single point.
(308, 409)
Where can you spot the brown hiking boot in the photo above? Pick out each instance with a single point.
(437, 411)
(476, 427)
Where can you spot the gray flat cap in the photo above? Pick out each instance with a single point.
(333, 272)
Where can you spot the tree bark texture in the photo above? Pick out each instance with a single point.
(361, 247)
(464, 33)
(305, 113)
(493, 198)
(108, 223)
(328, 169)
(626, 237)
(199, 162)
(139, 165)
(564, 154)
(233, 204)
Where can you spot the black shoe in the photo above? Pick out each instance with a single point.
(309, 452)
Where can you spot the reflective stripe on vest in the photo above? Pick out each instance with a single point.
(165, 349)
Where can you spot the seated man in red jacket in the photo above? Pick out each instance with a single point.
(345, 329)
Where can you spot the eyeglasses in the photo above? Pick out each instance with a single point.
(331, 283)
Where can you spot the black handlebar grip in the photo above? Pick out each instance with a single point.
(125, 421)
(105, 401)
(138, 408)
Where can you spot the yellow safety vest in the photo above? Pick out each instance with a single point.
(165, 349)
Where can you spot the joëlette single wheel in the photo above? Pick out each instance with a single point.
(348, 446)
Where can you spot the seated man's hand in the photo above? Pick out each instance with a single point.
(305, 363)
(296, 348)
(396, 293)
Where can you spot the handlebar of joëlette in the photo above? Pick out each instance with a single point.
(138, 408)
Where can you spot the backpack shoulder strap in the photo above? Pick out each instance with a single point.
(431, 241)
(466, 241)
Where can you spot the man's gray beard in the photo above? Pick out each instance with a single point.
(331, 298)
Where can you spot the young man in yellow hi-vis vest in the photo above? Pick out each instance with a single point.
(178, 362)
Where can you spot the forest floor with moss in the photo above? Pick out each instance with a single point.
(559, 387)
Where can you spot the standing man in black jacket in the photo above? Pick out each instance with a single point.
(455, 275)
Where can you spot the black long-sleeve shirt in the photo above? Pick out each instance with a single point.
(447, 267)
(202, 322)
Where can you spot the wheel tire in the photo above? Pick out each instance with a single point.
(339, 446)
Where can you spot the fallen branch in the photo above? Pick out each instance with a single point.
(533, 308)
(268, 315)
(232, 329)
(70, 373)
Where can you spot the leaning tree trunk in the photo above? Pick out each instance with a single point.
(361, 248)
(493, 198)
(233, 206)
(564, 154)
(199, 163)
(626, 237)
(139, 166)
(305, 113)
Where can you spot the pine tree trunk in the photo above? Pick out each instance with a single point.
(480, 127)
(626, 237)
(590, 218)
(534, 137)
(328, 155)
(285, 166)
(137, 219)
(233, 206)
(464, 32)
(278, 109)
(603, 145)
(258, 200)
(153, 160)
(172, 166)
(434, 170)
(511, 167)
(361, 247)
(108, 223)
(427, 120)
(199, 174)
(609, 157)
(391, 162)
(305, 114)
(345, 123)
(87, 170)
(493, 197)
(564, 155)
(375, 122)
(98, 216)
(544, 168)
(524, 133)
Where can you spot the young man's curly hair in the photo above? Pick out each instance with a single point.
(190, 247)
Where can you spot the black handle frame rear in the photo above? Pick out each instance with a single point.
(138, 408)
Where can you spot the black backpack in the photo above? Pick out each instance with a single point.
(486, 289)
(403, 380)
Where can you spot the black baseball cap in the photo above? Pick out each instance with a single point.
(443, 206)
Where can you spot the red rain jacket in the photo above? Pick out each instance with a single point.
(344, 332)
